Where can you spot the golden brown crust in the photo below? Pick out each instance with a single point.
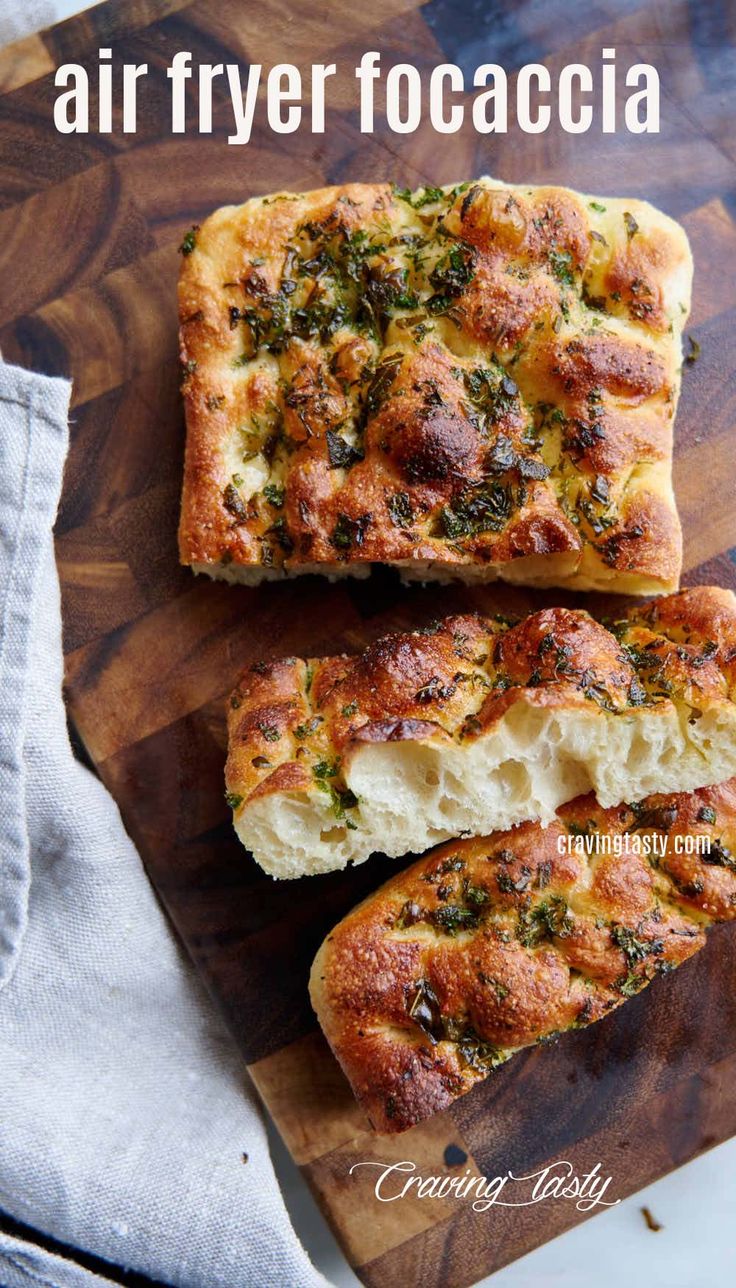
(453, 681)
(477, 381)
(489, 945)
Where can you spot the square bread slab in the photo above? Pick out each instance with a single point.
(467, 382)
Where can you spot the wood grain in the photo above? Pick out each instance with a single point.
(88, 234)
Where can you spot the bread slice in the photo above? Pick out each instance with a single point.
(476, 724)
(486, 946)
(470, 382)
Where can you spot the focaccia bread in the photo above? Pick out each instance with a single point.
(465, 382)
(489, 945)
(474, 724)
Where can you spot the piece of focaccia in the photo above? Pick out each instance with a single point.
(476, 724)
(465, 382)
(486, 946)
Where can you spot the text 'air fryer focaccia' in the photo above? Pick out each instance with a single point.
(475, 724)
(476, 381)
(486, 946)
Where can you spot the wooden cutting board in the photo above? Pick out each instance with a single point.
(88, 235)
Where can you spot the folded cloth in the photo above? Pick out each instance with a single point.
(127, 1127)
(25, 1265)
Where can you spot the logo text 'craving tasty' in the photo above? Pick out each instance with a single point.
(557, 1181)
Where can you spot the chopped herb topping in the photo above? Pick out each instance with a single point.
(303, 731)
(453, 917)
(634, 949)
(465, 912)
(425, 1010)
(546, 920)
(484, 509)
(341, 798)
(562, 266)
(630, 984)
(659, 818)
(720, 856)
(400, 509)
(280, 534)
(476, 896)
(234, 503)
(501, 990)
(582, 829)
(349, 532)
(612, 548)
(507, 885)
(189, 241)
(426, 196)
(423, 1007)
(632, 227)
(492, 392)
(502, 456)
(435, 691)
(341, 453)
(381, 382)
(409, 915)
(478, 1054)
(326, 769)
(270, 732)
(451, 275)
(274, 494)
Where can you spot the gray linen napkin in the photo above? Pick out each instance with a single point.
(125, 1112)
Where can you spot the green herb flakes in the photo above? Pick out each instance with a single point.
(189, 241)
(234, 503)
(562, 266)
(270, 732)
(630, 224)
(341, 454)
(349, 532)
(274, 495)
(400, 509)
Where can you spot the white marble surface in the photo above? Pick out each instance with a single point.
(696, 1205)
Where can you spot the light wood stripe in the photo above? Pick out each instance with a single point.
(23, 62)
